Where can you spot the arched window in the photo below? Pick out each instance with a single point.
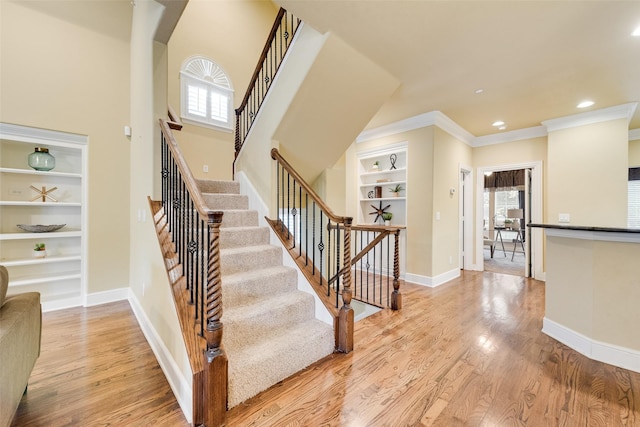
(206, 94)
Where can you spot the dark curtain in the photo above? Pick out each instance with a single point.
(505, 180)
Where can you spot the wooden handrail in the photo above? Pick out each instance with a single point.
(174, 119)
(263, 56)
(187, 176)
(275, 155)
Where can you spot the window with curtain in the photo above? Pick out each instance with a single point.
(633, 215)
(206, 94)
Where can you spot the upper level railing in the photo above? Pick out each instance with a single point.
(195, 233)
(278, 42)
(331, 252)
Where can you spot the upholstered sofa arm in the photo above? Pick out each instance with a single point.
(20, 335)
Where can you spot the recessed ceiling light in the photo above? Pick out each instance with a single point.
(478, 91)
(502, 128)
(636, 32)
(585, 104)
(498, 123)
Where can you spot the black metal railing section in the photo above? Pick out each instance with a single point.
(376, 265)
(195, 232)
(275, 49)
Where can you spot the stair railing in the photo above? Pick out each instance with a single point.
(340, 260)
(194, 231)
(278, 42)
(320, 242)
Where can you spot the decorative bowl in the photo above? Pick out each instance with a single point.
(40, 228)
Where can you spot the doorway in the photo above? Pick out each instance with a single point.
(506, 202)
(515, 246)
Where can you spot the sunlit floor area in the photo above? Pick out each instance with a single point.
(469, 352)
(505, 261)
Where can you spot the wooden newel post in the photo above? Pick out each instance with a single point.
(238, 144)
(345, 316)
(215, 360)
(396, 296)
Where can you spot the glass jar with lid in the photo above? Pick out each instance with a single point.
(41, 159)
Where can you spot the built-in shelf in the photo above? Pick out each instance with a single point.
(36, 204)
(34, 280)
(36, 261)
(41, 173)
(60, 276)
(391, 171)
(40, 236)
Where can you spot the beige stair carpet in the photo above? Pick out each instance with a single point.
(270, 330)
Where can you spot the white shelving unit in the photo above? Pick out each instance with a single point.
(59, 277)
(387, 176)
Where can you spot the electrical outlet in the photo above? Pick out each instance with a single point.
(205, 168)
(564, 217)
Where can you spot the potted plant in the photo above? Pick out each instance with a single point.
(387, 218)
(376, 166)
(396, 190)
(507, 223)
(40, 250)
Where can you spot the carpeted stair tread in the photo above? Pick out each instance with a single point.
(254, 285)
(236, 260)
(212, 186)
(218, 201)
(234, 237)
(259, 366)
(251, 323)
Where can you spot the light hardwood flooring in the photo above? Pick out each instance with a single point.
(467, 353)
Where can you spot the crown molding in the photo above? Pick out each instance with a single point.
(634, 134)
(511, 136)
(624, 111)
(433, 118)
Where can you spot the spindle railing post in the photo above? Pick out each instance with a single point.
(396, 296)
(346, 315)
(215, 359)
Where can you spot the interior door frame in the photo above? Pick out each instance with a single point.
(465, 197)
(536, 235)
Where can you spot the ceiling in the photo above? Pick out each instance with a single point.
(534, 60)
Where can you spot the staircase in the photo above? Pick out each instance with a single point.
(270, 330)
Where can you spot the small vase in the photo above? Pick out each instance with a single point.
(387, 223)
(40, 254)
(41, 160)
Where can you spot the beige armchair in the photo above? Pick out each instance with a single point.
(20, 335)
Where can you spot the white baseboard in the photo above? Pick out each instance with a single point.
(604, 352)
(434, 281)
(180, 385)
(106, 297)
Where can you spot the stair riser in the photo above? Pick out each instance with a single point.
(226, 201)
(253, 289)
(239, 218)
(226, 187)
(235, 238)
(237, 262)
(251, 329)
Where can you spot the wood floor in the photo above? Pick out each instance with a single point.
(468, 353)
